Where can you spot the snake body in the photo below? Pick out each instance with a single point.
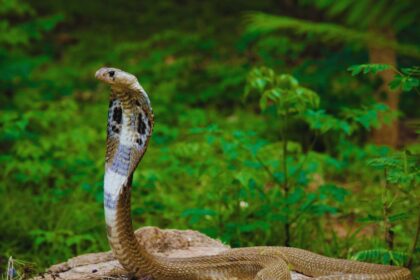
(130, 125)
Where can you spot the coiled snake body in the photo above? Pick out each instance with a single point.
(130, 124)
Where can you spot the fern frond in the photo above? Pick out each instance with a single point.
(326, 32)
(383, 256)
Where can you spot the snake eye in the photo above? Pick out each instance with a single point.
(111, 73)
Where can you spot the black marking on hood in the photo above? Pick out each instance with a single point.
(117, 114)
(114, 118)
(141, 125)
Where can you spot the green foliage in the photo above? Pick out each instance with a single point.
(404, 82)
(368, 68)
(369, 117)
(406, 79)
(320, 120)
(283, 91)
(328, 33)
(383, 256)
(382, 13)
(351, 120)
(296, 152)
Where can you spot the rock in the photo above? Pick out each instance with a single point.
(169, 243)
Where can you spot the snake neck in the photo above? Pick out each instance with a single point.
(129, 251)
(130, 124)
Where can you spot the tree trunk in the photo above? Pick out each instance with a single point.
(387, 134)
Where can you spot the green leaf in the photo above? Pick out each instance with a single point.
(406, 83)
(331, 190)
(381, 255)
(368, 68)
(398, 217)
(253, 226)
(396, 82)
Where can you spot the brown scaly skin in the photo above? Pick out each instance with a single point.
(130, 124)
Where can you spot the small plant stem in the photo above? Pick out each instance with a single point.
(416, 236)
(285, 186)
(389, 233)
(293, 177)
(414, 245)
(285, 183)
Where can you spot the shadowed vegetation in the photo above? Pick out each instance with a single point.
(277, 123)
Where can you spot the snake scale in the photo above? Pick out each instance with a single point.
(130, 124)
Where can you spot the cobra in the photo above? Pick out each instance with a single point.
(130, 125)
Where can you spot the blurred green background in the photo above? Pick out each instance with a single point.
(269, 124)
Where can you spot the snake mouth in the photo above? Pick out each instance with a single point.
(99, 73)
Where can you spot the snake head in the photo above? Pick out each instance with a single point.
(116, 78)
